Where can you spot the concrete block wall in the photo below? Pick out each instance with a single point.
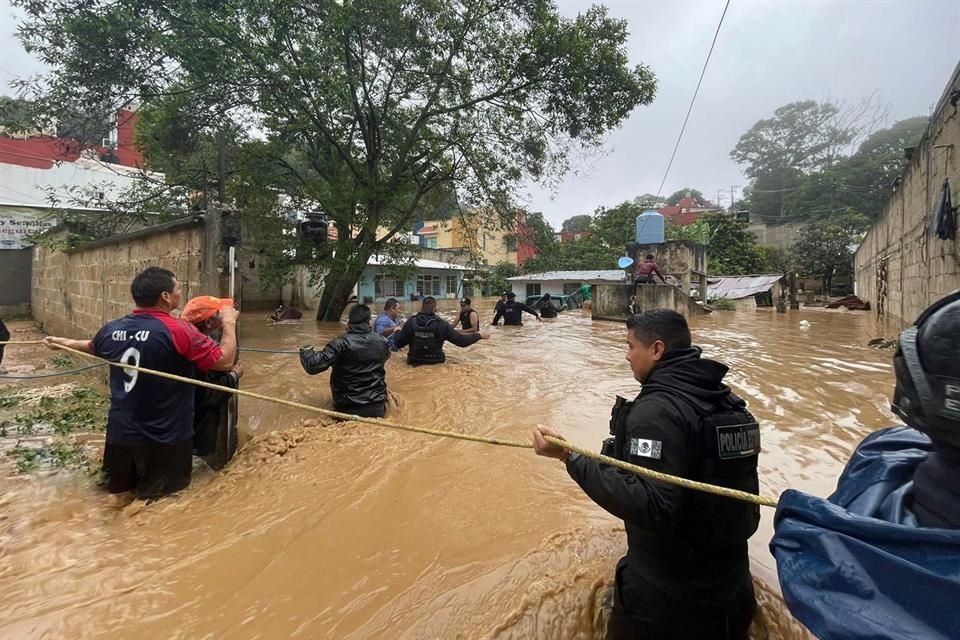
(610, 301)
(77, 291)
(920, 268)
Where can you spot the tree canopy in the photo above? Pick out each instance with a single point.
(369, 110)
(577, 223)
(677, 196)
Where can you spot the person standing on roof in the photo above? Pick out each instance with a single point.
(512, 312)
(646, 270)
(426, 332)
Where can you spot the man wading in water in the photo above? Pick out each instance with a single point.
(469, 319)
(426, 332)
(512, 312)
(149, 447)
(359, 381)
(686, 575)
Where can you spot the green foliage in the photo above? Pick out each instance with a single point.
(497, 280)
(676, 196)
(372, 111)
(825, 247)
(723, 304)
(732, 249)
(800, 164)
(577, 223)
(62, 362)
(58, 420)
(698, 231)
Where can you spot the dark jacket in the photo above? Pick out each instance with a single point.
(512, 313)
(670, 572)
(426, 333)
(209, 409)
(4, 336)
(357, 359)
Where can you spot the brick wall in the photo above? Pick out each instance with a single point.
(901, 266)
(77, 291)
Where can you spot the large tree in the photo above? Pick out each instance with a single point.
(677, 196)
(370, 109)
(825, 247)
(577, 223)
(731, 249)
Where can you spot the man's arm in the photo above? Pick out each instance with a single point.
(315, 362)
(405, 336)
(228, 340)
(656, 270)
(460, 339)
(530, 310)
(86, 346)
(498, 314)
(627, 495)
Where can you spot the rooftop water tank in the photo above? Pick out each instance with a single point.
(650, 228)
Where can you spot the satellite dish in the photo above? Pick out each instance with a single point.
(625, 262)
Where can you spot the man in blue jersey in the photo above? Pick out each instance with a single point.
(150, 424)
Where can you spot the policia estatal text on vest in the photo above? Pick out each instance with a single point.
(686, 574)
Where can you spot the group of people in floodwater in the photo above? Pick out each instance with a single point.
(686, 572)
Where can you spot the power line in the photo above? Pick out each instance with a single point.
(693, 100)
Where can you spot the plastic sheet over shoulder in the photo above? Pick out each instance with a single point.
(856, 566)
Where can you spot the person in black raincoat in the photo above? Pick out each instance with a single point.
(686, 575)
(359, 380)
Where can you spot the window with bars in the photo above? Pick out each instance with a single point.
(533, 289)
(452, 284)
(387, 286)
(428, 285)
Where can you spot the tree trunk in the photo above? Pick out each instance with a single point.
(338, 284)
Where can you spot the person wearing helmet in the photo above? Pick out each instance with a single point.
(878, 557)
(927, 398)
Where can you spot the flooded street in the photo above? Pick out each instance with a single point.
(353, 531)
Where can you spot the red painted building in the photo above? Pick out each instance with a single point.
(43, 151)
(685, 212)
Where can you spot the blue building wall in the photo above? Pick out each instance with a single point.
(451, 281)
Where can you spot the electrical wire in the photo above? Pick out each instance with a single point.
(693, 100)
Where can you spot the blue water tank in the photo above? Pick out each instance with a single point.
(650, 228)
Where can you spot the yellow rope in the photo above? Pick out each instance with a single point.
(22, 342)
(613, 462)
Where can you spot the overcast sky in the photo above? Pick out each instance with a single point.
(768, 53)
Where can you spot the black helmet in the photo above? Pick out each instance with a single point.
(927, 365)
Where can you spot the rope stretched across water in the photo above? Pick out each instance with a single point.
(380, 422)
(253, 349)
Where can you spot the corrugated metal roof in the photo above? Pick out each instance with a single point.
(736, 287)
(614, 275)
(381, 260)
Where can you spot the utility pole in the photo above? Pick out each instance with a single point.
(733, 198)
(221, 167)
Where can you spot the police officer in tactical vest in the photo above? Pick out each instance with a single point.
(512, 312)
(426, 332)
(686, 574)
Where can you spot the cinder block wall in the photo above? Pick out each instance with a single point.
(77, 291)
(919, 267)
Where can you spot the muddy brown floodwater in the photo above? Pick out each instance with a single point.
(353, 531)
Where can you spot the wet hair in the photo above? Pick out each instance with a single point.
(359, 313)
(665, 325)
(649, 256)
(429, 304)
(150, 284)
(390, 304)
